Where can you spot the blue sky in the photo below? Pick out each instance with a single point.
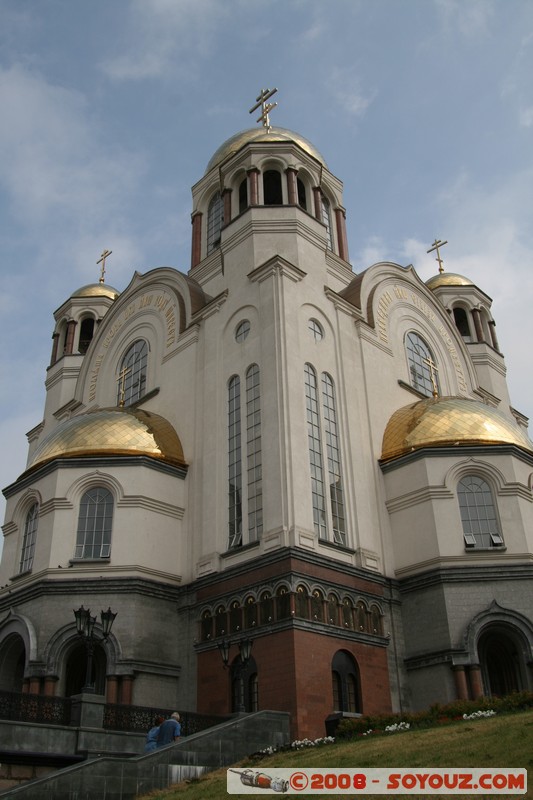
(111, 110)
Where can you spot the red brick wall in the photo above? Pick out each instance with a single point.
(294, 674)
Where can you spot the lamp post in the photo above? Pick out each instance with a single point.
(85, 627)
(245, 651)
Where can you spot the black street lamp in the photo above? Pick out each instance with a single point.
(245, 652)
(85, 627)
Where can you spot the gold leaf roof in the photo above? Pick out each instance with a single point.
(112, 431)
(447, 279)
(445, 421)
(97, 290)
(238, 140)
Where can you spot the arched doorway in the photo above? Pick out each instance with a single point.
(12, 663)
(76, 670)
(346, 683)
(244, 685)
(502, 662)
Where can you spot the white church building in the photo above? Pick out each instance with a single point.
(272, 451)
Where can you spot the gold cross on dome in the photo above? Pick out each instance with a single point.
(266, 108)
(433, 369)
(122, 380)
(101, 261)
(436, 244)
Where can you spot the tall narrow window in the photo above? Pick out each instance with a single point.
(215, 220)
(327, 517)
(422, 366)
(94, 524)
(132, 374)
(334, 460)
(272, 194)
(478, 514)
(302, 198)
(314, 440)
(253, 446)
(86, 334)
(243, 195)
(28, 541)
(461, 321)
(326, 219)
(235, 466)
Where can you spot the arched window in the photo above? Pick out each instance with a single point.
(325, 517)
(272, 193)
(235, 466)
(250, 505)
(132, 374)
(221, 621)
(235, 617)
(478, 513)
(461, 321)
(422, 367)
(333, 610)
(206, 626)
(250, 612)
(254, 453)
(95, 520)
(346, 683)
(266, 608)
(326, 219)
(243, 195)
(29, 538)
(362, 616)
(283, 603)
(302, 197)
(317, 606)
(302, 602)
(215, 220)
(86, 334)
(376, 620)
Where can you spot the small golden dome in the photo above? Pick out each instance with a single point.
(97, 290)
(447, 279)
(112, 431)
(238, 140)
(446, 421)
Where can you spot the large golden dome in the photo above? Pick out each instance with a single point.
(97, 290)
(238, 140)
(112, 431)
(447, 279)
(445, 421)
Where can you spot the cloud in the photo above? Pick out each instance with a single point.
(345, 86)
(472, 19)
(161, 34)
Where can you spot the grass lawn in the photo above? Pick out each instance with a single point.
(502, 741)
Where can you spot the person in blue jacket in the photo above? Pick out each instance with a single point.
(151, 736)
(169, 730)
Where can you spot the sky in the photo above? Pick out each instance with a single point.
(111, 110)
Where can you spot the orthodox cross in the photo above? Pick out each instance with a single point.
(101, 261)
(122, 389)
(266, 108)
(433, 369)
(436, 244)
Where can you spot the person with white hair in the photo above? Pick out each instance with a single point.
(169, 730)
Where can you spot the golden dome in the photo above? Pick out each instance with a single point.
(97, 290)
(112, 431)
(238, 140)
(445, 421)
(447, 279)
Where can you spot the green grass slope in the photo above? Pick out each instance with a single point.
(502, 741)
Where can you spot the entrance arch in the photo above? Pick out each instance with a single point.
(12, 663)
(503, 668)
(76, 670)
